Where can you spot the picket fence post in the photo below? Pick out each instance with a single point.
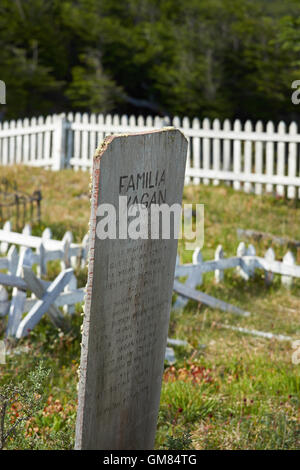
(59, 139)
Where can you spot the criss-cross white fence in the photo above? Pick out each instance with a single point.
(251, 157)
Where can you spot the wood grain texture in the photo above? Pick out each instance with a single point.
(128, 301)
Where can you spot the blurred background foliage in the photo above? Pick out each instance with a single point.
(204, 58)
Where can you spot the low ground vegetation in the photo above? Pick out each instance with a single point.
(226, 390)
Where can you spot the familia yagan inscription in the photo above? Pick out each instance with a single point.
(153, 185)
(129, 295)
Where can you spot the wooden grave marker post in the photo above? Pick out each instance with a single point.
(129, 293)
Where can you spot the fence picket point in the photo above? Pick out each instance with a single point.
(269, 256)
(248, 157)
(292, 160)
(242, 269)
(289, 260)
(281, 158)
(196, 149)
(219, 273)
(7, 227)
(258, 157)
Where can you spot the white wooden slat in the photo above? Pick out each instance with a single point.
(70, 287)
(248, 157)
(59, 142)
(140, 121)
(206, 149)
(16, 308)
(158, 122)
(36, 286)
(40, 140)
(19, 148)
(47, 234)
(207, 266)
(206, 299)
(69, 138)
(116, 121)
(124, 122)
(26, 142)
(216, 150)
(278, 267)
(108, 120)
(12, 144)
(4, 244)
(227, 148)
(4, 263)
(262, 334)
(269, 156)
(281, 158)
(258, 157)
(237, 154)
(132, 121)
(33, 146)
(42, 305)
(84, 251)
(84, 143)
(4, 302)
(54, 248)
(242, 177)
(92, 138)
(77, 140)
(269, 257)
(42, 259)
(250, 263)
(194, 279)
(170, 355)
(242, 269)
(5, 144)
(219, 273)
(64, 298)
(149, 121)
(177, 342)
(47, 139)
(186, 125)
(242, 135)
(32, 129)
(27, 230)
(66, 259)
(196, 149)
(100, 133)
(292, 160)
(12, 260)
(12, 281)
(288, 260)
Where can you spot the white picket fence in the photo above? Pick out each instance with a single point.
(250, 157)
(245, 262)
(46, 296)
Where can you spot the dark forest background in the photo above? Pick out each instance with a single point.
(212, 58)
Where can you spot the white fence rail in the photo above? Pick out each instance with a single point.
(250, 157)
(245, 263)
(17, 263)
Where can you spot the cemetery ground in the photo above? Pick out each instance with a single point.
(226, 390)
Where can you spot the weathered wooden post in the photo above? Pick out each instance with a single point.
(129, 291)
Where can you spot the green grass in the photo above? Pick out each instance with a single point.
(227, 390)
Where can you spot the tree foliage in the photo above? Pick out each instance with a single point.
(215, 58)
